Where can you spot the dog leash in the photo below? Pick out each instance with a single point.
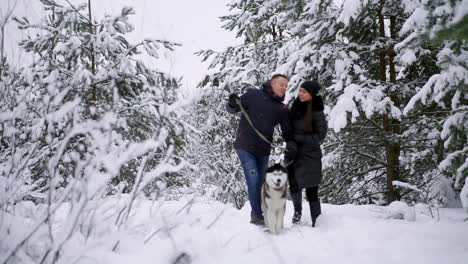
(256, 130)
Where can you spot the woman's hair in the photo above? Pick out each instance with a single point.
(304, 109)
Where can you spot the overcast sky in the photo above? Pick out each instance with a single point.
(194, 24)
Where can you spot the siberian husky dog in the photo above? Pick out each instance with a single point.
(274, 197)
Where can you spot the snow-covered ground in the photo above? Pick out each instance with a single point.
(204, 231)
(211, 232)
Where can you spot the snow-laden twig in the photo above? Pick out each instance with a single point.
(216, 218)
(406, 185)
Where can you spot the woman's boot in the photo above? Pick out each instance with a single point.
(315, 211)
(297, 202)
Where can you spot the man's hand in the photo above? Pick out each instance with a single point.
(233, 98)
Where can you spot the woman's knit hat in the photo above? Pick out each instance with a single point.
(312, 87)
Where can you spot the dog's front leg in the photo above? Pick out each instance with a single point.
(271, 216)
(281, 217)
(279, 220)
(266, 219)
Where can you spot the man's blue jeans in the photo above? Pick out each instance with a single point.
(254, 172)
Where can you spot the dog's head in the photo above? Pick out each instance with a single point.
(276, 176)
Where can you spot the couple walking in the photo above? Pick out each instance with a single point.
(303, 129)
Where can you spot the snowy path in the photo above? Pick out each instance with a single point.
(211, 232)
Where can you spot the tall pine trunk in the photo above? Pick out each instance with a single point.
(391, 126)
(394, 146)
(93, 62)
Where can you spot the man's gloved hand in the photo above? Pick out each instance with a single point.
(233, 98)
(291, 151)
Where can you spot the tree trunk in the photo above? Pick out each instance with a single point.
(93, 63)
(1, 48)
(392, 149)
(395, 129)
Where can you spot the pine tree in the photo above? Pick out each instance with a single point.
(350, 50)
(98, 68)
(432, 25)
(87, 116)
(342, 49)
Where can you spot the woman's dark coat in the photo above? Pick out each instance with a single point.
(307, 163)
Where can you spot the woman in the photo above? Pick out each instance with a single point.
(310, 128)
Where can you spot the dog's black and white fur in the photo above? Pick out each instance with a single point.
(274, 197)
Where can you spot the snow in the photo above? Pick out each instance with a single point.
(447, 162)
(406, 185)
(464, 193)
(438, 84)
(206, 231)
(461, 10)
(400, 210)
(455, 120)
(339, 114)
(416, 20)
(350, 9)
(443, 10)
(408, 57)
(410, 5)
(370, 100)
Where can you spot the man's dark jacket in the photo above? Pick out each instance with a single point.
(265, 110)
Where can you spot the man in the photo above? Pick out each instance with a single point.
(265, 109)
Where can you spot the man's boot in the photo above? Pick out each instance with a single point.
(315, 211)
(297, 202)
